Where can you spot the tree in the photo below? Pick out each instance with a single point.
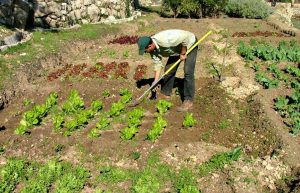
(189, 7)
(173, 5)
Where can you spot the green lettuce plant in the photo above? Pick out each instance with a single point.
(189, 121)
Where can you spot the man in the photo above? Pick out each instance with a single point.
(173, 44)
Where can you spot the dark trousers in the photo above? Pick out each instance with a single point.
(189, 77)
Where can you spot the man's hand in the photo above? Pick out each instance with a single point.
(182, 57)
(183, 53)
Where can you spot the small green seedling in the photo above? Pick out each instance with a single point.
(126, 54)
(189, 121)
(106, 93)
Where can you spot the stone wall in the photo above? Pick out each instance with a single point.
(285, 12)
(61, 13)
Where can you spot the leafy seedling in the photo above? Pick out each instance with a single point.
(189, 121)
(106, 93)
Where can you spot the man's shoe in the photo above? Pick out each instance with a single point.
(187, 105)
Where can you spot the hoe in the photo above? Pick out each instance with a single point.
(137, 101)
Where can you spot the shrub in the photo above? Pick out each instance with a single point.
(173, 5)
(252, 9)
(212, 7)
(189, 7)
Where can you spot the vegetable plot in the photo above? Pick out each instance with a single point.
(134, 121)
(35, 116)
(160, 123)
(270, 76)
(285, 51)
(72, 115)
(289, 108)
(53, 176)
(99, 70)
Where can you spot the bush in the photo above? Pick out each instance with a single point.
(212, 7)
(195, 8)
(189, 7)
(173, 5)
(252, 9)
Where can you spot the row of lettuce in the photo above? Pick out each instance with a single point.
(72, 115)
(19, 175)
(267, 62)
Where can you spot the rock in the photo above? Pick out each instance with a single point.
(93, 12)
(87, 2)
(13, 39)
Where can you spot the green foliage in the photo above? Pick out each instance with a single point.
(157, 128)
(283, 52)
(185, 182)
(136, 155)
(127, 8)
(116, 109)
(212, 7)
(288, 107)
(103, 123)
(128, 132)
(196, 8)
(106, 93)
(163, 106)
(252, 9)
(126, 54)
(94, 133)
(218, 161)
(189, 121)
(58, 121)
(147, 182)
(36, 114)
(189, 7)
(41, 177)
(135, 117)
(12, 173)
(113, 174)
(27, 102)
(73, 104)
(73, 181)
(265, 81)
(293, 71)
(173, 5)
(134, 120)
(126, 95)
(245, 51)
(46, 175)
(59, 148)
(96, 105)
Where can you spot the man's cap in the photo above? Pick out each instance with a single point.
(143, 42)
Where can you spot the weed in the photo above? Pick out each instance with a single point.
(2, 150)
(185, 182)
(27, 102)
(135, 155)
(59, 148)
(205, 136)
(106, 93)
(224, 124)
(126, 54)
(218, 161)
(110, 174)
(112, 53)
